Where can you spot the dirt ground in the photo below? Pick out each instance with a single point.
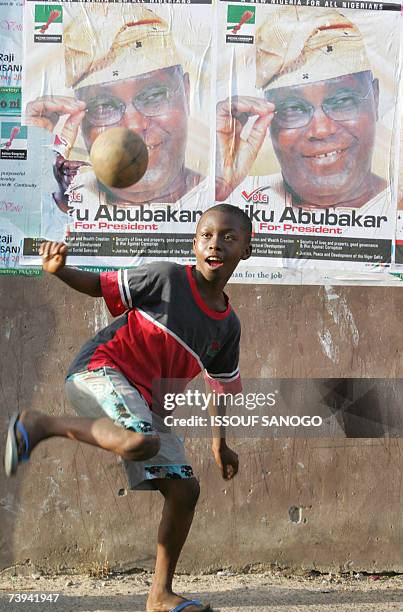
(275, 591)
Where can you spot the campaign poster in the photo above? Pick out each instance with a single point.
(144, 66)
(20, 212)
(10, 58)
(306, 143)
(399, 223)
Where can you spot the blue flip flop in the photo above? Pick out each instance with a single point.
(186, 604)
(11, 458)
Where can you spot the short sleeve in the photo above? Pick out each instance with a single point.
(222, 374)
(125, 289)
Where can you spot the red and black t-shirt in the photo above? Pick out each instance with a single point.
(167, 331)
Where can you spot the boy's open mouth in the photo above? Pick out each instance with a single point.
(214, 262)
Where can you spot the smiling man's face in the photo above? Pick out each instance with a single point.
(155, 105)
(326, 162)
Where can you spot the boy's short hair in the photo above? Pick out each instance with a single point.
(242, 217)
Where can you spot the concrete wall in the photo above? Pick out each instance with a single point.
(68, 507)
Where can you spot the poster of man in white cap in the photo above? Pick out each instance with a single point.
(307, 137)
(94, 66)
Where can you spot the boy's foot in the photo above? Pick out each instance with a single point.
(24, 432)
(171, 601)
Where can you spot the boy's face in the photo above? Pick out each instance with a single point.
(219, 245)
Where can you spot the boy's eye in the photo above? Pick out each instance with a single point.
(229, 237)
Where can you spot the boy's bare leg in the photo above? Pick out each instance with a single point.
(180, 501)
(98, 432)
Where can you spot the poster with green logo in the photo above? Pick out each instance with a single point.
(307, 122)
(144, 66)
(20, 201)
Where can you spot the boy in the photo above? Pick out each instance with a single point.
(177, 322)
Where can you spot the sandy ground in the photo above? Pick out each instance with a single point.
(225, 590)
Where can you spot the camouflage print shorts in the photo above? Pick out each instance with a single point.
(107, 392)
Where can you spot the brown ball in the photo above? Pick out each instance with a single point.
(119, 157)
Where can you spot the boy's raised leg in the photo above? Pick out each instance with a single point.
(180, 501)
(102, 433)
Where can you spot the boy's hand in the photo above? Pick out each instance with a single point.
(53, 256)
(227, 461)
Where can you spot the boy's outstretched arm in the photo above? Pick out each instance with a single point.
(54, 261)
(225, 457)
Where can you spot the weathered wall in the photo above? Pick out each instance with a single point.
(64, 508)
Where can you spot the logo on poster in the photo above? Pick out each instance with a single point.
(49, 23)
(256, 195)
(240, 24)
(13, 144)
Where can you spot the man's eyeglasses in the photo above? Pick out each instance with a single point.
(297, 113)
(106, 110)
